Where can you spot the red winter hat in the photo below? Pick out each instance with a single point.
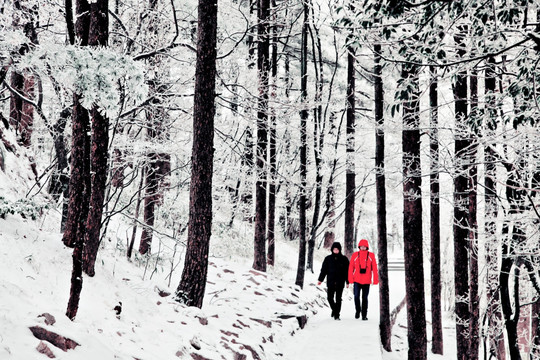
(363, 242)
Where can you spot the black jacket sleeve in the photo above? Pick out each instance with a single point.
(324, 269)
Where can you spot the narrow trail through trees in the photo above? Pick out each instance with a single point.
(345, 339)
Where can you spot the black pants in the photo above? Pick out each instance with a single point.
(335, 291)
(361, 307)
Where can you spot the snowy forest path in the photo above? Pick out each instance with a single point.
(345, 339)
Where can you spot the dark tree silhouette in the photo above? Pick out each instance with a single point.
(461, 233)
(98, 36)
(301, 269)
(350, 185)
(191, 288)
(412, 220)
(263, 71)
(435, 218)
(380, 184)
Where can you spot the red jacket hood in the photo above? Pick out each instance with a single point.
(363, 242)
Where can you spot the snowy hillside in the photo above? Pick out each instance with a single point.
(245, 312)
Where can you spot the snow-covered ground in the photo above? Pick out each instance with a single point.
(246, 314)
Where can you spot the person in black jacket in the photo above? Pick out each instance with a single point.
(335, 268)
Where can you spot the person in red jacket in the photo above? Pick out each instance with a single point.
(363, 273)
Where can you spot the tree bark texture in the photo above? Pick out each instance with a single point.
(511, 315)
(98, 36)
(272, 148)
(412, 221)
(191, 289)
(21, 112)
(350, 185)
(435, 218)
(150, 198)
(319, 127)
(460, 227)
(79, 181)
(495, 336)
(380, 184)
(60, 179)
(263, 71)
(474, 298)
(303, 154)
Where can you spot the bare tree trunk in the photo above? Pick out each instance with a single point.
(150, 196)
(435, 218)
(461, 248)
(135, 217)
(535, 330)
(98, 36)
(263, 67)
(385, 326)
(412, 220)
(495, 335)
(511, 316)
(190, 291)
(76, 280)
(60, 179)
(272, 147)
(79, 182)
(474, 299)
(329, 235)
(303, 153)
(26, 125)
(350, 186)
(21, 114)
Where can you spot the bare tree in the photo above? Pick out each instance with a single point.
(461, 233)
(263, 71)
(191, 288)
(301, 269)
(350, 187)
(412, 219)
(272, 146)
(99, 154)
(380, 184)
(474, 299)
(435, 216)
(495, 336)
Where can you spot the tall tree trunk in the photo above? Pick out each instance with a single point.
(329, 235)
(474, 299)
(535, 330)
(155, 119)
(150, 198)
(79, 182)
(272, 146)
(263, 67)
(461, 248)
(380, 184)
(303, 153)
(412, 220)
(21, 112)
(60, 179)
(26, 125)
(511, 316)
(190, 291)
(435, 217)
(136, 216)
(495, 335)
(98, 36)
(318, 137)
(350, 186)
